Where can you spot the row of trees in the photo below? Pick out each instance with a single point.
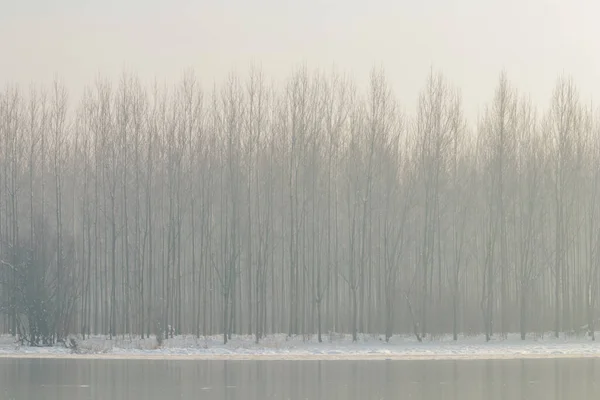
(304, 208)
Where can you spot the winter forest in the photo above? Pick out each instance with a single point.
(305, 207)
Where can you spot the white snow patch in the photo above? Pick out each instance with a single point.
(333, 347)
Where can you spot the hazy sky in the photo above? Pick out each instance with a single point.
(469, 40)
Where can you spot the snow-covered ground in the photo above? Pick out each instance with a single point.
(334, 347)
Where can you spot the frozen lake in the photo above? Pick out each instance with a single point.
(70, 379)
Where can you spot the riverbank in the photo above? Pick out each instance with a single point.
(333, 347)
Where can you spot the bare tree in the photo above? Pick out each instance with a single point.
(304, 208)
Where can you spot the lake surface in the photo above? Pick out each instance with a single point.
(253, 380)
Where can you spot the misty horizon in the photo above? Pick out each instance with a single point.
(469, 41)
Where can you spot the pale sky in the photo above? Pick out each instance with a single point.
(470, 41)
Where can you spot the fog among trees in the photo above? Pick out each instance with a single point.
(305, 207)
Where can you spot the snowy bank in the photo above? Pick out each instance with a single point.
(334, 347)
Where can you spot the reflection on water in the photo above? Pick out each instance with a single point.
(254, 380)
